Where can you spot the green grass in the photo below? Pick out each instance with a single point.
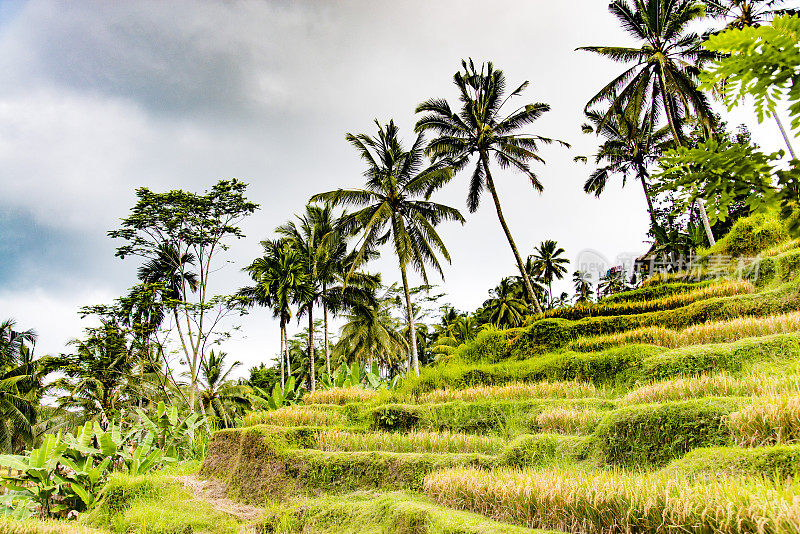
(154, 504)
(779, 461)
(368, 513)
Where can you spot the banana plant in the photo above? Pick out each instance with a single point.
(280, 397)
(36, 479)
(83, 480)
(171, 431)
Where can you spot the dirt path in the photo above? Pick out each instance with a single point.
(214, 492)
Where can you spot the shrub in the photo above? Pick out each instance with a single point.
(767, 421)
(396, 417)
(490, 345)
(750, 235)
(657, 433)
(614, 502)
(538, 449)
(780, 461)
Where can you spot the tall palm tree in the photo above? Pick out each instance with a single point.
(504, 308)
(666, 65)
(549, 264)
(320, 242)
(221, 398)
(370, 332)
(482, 128)
(396, 206)
(583, 286)
(20, 387)
(632, 142)
(280, 279)
(743, 13)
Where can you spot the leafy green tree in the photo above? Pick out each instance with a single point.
(264, 377)
(482, 128)
(504, 309)
(762, 63)
(549, 264)
(370, 333)
(281, 279)
(666, 65)
(632, 142)
(193, 224)
(99, 378)
(396, 207)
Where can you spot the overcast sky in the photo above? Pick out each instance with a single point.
(98, 98)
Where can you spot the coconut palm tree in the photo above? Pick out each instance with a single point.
(280, 280)
(743, 13)
(20, 387)
(549, 264)
(320, 242)
(632, 141)
(482, 128)
(396, 207)
(370, 332)
(221, 398)
(583, 286)
(504, 308)
(666, 64)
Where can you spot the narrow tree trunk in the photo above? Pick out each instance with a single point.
(327, 344)
(410, 315)
(283, 327)
(526, 279)
(550, 291)
(650, 210)
(311, 355)
(785, 136)
(286, 348)
(678, 142)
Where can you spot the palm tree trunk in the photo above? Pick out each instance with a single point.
(327, 344)
(550, 291)
(525, 277)
(642, 178)
(678, 142)
(286, 348)
(410, 315)
(283, 327)
(783, 133)
(311, 362)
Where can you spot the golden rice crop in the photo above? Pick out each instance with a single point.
(678, 300)
(767, 421)
(317, 415)
(339, 396)
(565, 420)
(695, 275)
(620, 502)
(518, 390)
(716, 385)
(699, 334)
(434, 442)
(780, 249)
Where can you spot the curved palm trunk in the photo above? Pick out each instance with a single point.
(643, 179)
(410, 315)
(525, 277)
(676, 135)
(311, 355)
(286, 354)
